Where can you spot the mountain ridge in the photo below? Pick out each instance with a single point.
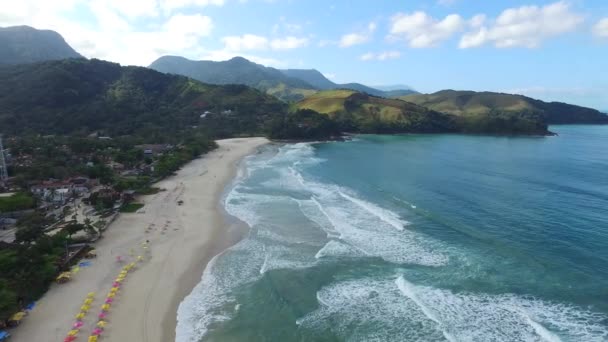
(25, 44)
(287, 84)
(471, 103)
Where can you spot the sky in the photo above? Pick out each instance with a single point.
(554, 50)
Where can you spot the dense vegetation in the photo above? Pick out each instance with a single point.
(82, 96)
(24, 44)
(480, 104)
(357, 112)
(16, 202)
(27, 269)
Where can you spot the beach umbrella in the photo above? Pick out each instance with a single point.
(92, 339)
(102, 315)
(77, 325)
(85, 308)
(80, 315)
(111, 295)
(88, 301)
(72, 332)
(102, 324)
(116, 284)
(69, 339)
(114, 289)
(91, 294)
(105, 307)
(109, 300)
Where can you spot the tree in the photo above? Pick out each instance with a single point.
(74, 228)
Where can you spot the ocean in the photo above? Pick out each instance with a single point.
(414, 238)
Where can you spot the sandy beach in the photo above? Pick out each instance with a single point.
(182, 239)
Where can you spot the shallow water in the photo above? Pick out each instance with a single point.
(415, 238)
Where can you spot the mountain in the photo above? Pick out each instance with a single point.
(316, 79)
(361, 112)
(79, 96)
(237, 70)
(312, 77)
(24, 44)
(288, 85)
(470, 103)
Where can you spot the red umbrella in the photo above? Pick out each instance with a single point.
(69, 339)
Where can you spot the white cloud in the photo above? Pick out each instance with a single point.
(380, 56)
(245, 42)
(601, 28)
(357, 38)
(329, 75)
(171, 5)
(420, 30)
(113, 35)
(526, 26)
(288, 43)
(248, 42)
(477, 21)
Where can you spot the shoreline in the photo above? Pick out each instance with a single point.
(183, 239)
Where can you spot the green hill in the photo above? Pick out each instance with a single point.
(24, 44)
(79, 96)
(359, 112)
(237, 70)
(470, 103)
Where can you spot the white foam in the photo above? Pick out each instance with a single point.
(506, 317)
(383, 214)
(338, 249)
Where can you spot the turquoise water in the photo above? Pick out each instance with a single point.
(415, 238)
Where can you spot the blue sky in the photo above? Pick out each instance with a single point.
(553, 50)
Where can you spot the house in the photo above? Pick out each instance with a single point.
(82, 185)
(117, 166)
(54, 191)
(154, 149)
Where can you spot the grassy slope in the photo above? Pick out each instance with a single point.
(468, 102)
(326, 102)
(364, 113)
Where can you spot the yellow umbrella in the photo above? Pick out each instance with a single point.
(92, 339)
(105, 307)
(101, 324)
(85, 308)
(88, 301)
(111, 295)
(72, 332)
(80, 315)
(119, 279)
(91, 294)
(114, 289)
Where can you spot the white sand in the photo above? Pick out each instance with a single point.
(145, 308)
